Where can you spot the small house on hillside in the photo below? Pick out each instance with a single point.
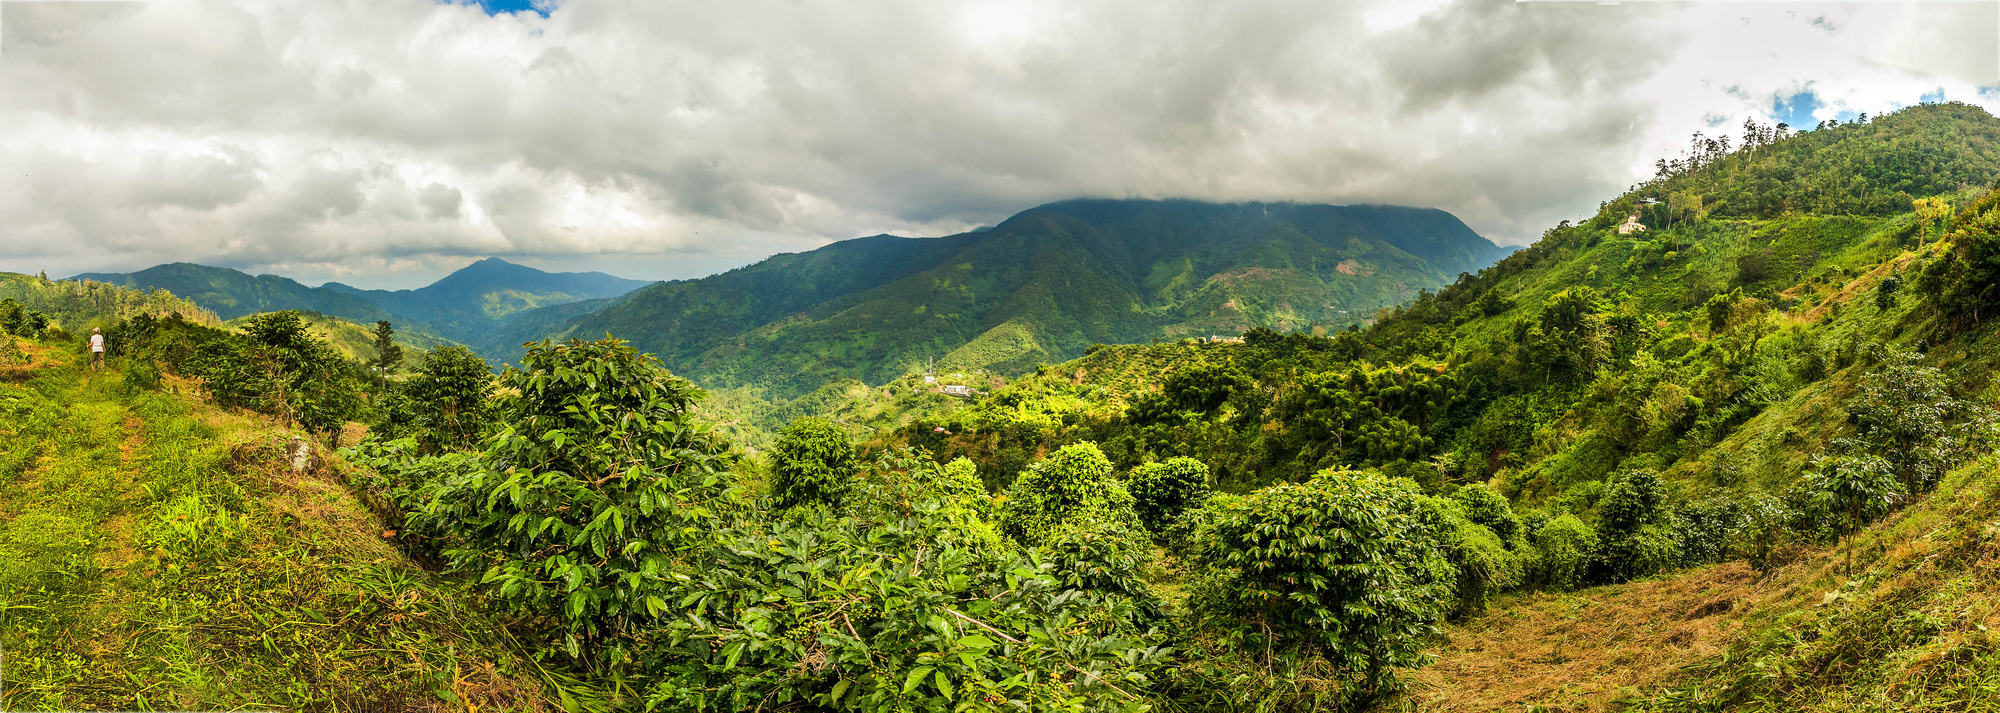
(1631, 225)
(956, 390)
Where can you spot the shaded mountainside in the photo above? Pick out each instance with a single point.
(1041, 287)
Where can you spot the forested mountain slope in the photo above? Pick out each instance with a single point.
(1039, 288)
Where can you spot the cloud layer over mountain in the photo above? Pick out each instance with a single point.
(367, 140)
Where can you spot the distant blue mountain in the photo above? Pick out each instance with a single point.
(474, 305)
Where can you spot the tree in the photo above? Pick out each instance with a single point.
(1573, 322)
(444, 403)
(1933, 214)
(387, 353)
(12, 316)
(1886, 291)
(1343, 566)
(307, 380)
(1721, 309)
(812, 463)
(1905, 414)
(1856, 489)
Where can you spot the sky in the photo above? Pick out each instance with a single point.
(384, 143)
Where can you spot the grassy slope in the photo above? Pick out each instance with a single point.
(156, 553)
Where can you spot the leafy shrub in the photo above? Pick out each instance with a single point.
(140, 375)
(1102, 555)
(812, 463)
(960, 479)
(317, 387)
(1488, 508)
(1189, 535)
(443, 405)
(1161, 491)
(596, 484)
(1564, 550)
(1634, 539)
(1485, 564)
(1855, 489)
(1345, 566)
(904, 483)
(1704, 532)
(1072, 485)
(1906, 415)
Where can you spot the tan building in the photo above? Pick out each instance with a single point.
(1631, 225)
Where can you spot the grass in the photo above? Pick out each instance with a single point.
(158, 553)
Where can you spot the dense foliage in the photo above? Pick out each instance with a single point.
(812, 463)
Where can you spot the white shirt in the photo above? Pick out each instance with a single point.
(97, 342)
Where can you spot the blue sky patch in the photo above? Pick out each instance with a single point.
(496, 7)
(1936, 97)
(1797, 109)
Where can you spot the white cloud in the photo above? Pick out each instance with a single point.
(366, 139)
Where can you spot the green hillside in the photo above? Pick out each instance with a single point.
(1039, 288)
(1772, 361)
(78, 305)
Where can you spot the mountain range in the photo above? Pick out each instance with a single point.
(1040, 287)
(491, 304)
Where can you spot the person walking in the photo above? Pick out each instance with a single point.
(96, 349)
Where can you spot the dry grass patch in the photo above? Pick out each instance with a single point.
(1588, 650)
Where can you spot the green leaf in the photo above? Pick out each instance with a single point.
(916, 678)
